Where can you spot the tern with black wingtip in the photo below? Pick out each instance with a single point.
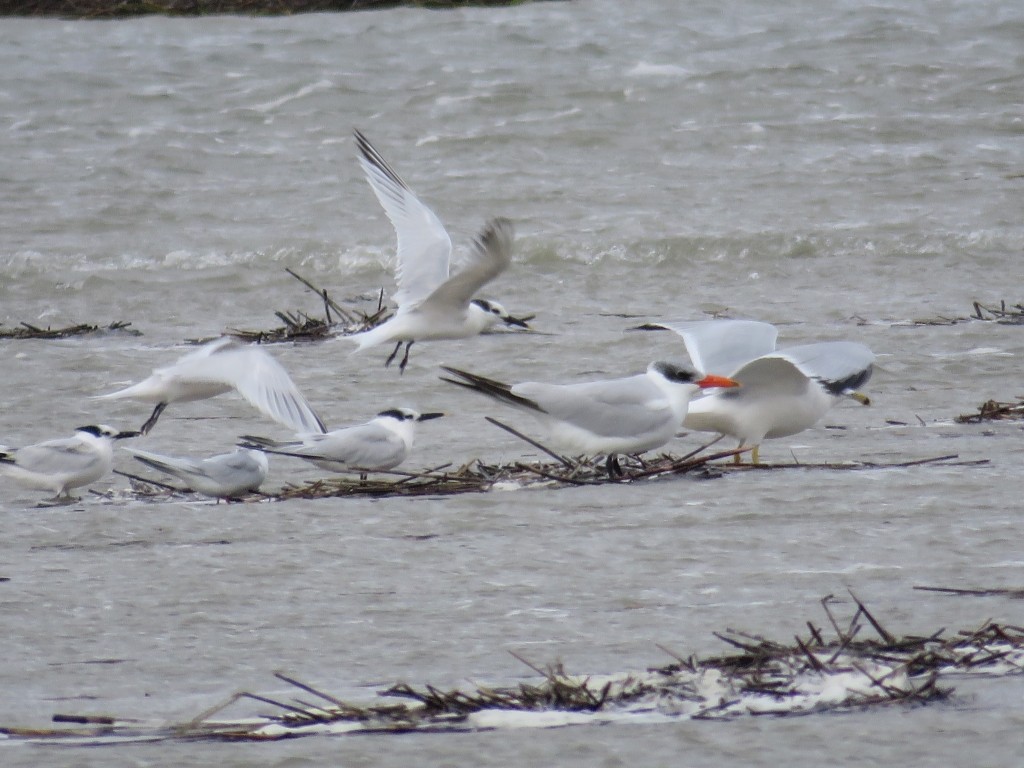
(64, 464)
(382, 443)
(628, 415)
(432, 304)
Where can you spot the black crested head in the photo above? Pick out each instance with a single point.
(679, 374)
(92, 429)
(485, 305)
(397, 413)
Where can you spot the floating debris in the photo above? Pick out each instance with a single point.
(813, 674)
(1006, 316)
(477, 476)
(29, 331)
(1015, 594)
(992, 410)
(300, 326)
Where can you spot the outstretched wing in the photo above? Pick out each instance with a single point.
(260, 379)
(424, 246)
(491, 255)
(839, 366)
(722, 346)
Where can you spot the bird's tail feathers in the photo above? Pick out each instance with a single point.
(490, 387)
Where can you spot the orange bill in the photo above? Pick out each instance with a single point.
(717, 381)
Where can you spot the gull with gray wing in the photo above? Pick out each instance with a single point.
(784, 391)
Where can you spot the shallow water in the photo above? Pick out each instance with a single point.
(839, 170)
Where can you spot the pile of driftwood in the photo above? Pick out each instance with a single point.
(992, 410)
(1004, 315)
(1013, 315)
(29, 331)
(301, 326)
(298, 325)
(859, 663)
(479, 477)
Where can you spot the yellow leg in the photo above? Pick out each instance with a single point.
(754, 455)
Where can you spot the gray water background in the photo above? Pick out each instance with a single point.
(837, 168)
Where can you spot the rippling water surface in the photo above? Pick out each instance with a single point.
(838, 169)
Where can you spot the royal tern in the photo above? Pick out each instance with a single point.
(220, 366)
(381, 443)
(628, 415)
(431, 304)
(66, 463)
(224, 476)
(784, 391)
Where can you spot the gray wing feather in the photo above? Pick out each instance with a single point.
(619, 408)
(491, 255)
(837, 364)
(722, 346)
(66, 455)
(424, 246)
(366, 445)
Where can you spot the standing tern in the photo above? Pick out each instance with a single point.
(66, 463)
(383, 442)
(431, 304)
(628, 415)
(225, 476)
(220, 366)
(784, 391)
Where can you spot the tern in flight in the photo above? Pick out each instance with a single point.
(220, 366)
(63, 464)
(784, 391)
(431, 303)
(628, 415)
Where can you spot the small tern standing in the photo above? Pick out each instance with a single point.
(225, 476)
(383, 442)
(629, 415)
(431, 304)
(784, 391)
(220, 366)
(66, 463)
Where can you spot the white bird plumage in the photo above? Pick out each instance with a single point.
(220, 366)
(612, 416)
(431, 304)
(382, 443)
(784, 391)
(66, 463)
(225, 476)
